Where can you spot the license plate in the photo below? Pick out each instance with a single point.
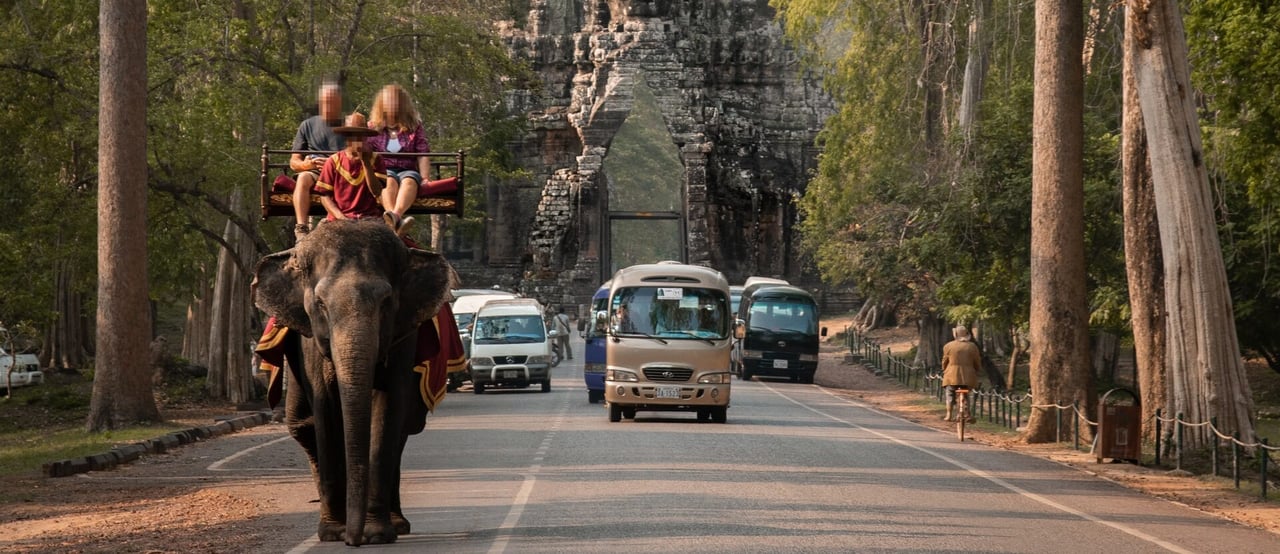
(779, 364)
(667, 392)
(510, 374)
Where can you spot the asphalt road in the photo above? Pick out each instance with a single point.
(796, 469)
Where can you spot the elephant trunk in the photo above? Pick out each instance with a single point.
(355, 388)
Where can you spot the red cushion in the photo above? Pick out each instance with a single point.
(438, 188)
(283, 183)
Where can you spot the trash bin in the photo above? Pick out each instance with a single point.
(1119, 427)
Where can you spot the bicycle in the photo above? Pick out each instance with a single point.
(962, 410)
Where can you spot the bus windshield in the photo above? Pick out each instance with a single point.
(670, 312)
(509, 329)
(784, 316)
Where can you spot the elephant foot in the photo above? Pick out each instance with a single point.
(378, 532)
(400, 523)
(331, 531)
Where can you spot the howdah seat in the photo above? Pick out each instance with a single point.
(439, 193)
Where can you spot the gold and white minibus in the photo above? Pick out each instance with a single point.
(668, 342)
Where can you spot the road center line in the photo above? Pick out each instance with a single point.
(526, 488)
(975, 471)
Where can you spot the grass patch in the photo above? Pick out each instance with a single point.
(25, 451)
(1269, 429)
(45, 423)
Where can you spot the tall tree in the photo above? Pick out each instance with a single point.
(1206, 374)
(122, 380)
(1142, 244)
(1060, 371)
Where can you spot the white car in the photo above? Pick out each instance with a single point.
(510, 345)
(23, 373)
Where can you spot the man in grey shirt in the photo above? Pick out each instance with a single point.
(315, 133)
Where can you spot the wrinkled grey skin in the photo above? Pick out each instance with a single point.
(355, 295)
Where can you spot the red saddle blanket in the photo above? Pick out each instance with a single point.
(439, 352)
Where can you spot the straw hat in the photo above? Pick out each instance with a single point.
(355, 126)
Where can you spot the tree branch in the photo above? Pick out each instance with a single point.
(216, 203)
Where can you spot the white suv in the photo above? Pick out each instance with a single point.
(510, 345)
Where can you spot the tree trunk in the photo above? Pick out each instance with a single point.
(438, 225)
(228, 317)
(1143, 264)
(933, 333)
(239, 354)
(1105, 348)
(1205, 371)
(1060, 372)
(1016, 351)
(195, 335)
(975, 69)
(64, 346)
(122, 391)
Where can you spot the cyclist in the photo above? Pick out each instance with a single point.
(960, 363)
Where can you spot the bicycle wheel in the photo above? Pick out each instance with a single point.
(963, 409)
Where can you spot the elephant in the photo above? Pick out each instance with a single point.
(353, 295)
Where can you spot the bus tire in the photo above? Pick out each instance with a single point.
(615, 413)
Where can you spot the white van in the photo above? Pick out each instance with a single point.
(464, 312)
(510, 345)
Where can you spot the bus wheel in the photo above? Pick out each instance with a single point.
(720, 415)
(615, 413)
(595, 396)
(745, 375)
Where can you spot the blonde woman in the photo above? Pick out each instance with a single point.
(399, 130)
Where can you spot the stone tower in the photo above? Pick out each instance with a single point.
(735, 106)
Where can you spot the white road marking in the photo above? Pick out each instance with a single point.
(526, 488)
(978, 472)
(217, 466)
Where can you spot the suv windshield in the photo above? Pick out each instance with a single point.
(670, 312)
(509, 329)
(784, 316)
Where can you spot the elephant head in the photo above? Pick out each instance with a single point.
(359, 294)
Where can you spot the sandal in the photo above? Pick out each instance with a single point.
(392, 219)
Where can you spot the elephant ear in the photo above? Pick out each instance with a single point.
(278, 290)
(423, 288)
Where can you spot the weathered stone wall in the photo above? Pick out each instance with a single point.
(736, 104)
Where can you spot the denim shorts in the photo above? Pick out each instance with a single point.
(402, 174)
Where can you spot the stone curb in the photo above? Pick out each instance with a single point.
(130, 452)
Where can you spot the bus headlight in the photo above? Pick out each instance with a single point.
(714, 379)
(621, 375)
(752, 354)
(808, 357)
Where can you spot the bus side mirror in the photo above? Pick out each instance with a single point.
(602, 322)
(824, 332)
(739, 329)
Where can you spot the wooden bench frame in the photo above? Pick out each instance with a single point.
(443, 165)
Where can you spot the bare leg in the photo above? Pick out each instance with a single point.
(407, 194)
(389, 192)
(302, 197)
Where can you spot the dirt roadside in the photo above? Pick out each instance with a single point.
(1214, 496)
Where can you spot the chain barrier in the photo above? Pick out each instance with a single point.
(1007, 409)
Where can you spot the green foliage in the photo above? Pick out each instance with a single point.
(1234, 49)
(944, 229)
(223, 79)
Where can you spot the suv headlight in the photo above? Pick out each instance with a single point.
(808, 357)
(714, 379)
(539, 360)
(621, 375)
(752, 354)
